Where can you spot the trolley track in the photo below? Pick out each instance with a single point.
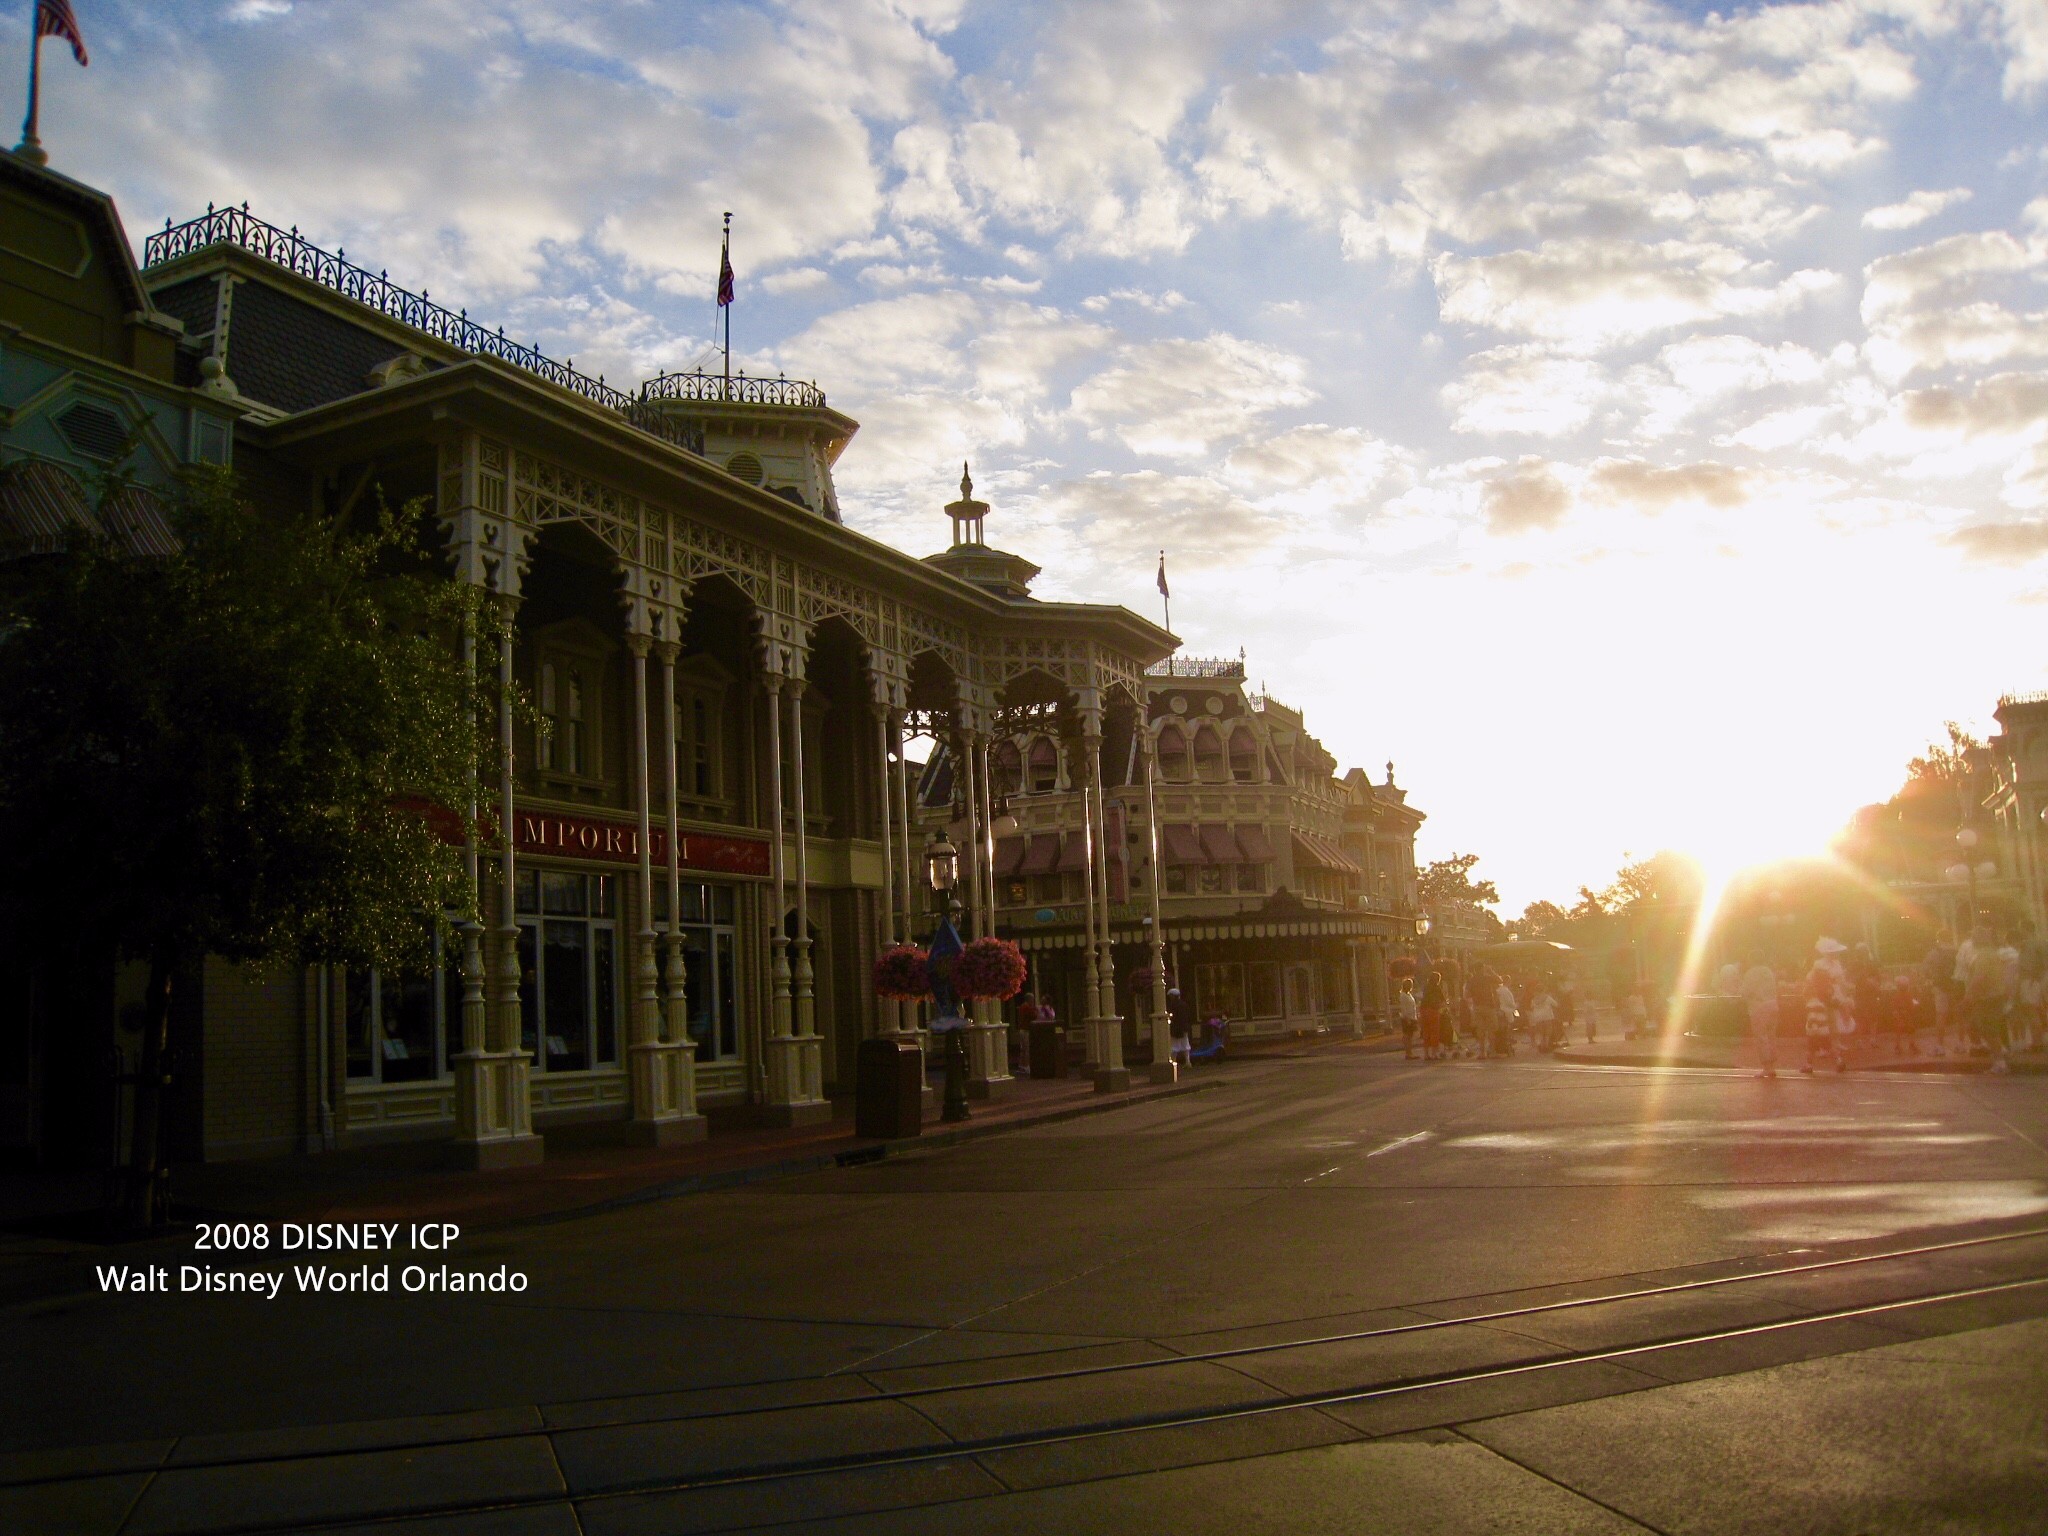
(1260, 1398)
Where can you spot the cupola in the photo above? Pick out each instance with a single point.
(971, 559)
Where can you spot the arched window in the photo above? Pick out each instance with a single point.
(1244, 757)
(1005, 768)
(1208, 755)
(1045, 766)
(1173, 754)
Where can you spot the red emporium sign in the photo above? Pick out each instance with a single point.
(618, 842)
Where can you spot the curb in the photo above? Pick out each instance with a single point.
(1948, 1066)
(859, 1155)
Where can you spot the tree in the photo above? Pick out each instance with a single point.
(233, 750)
(1664, 878)
(1541, 918)
(1449, 882)
(1945, 765)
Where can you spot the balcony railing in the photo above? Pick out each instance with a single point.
(735, 390)
(333, 271)
(1197, 666)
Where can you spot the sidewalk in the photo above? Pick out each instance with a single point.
(1867, 1055)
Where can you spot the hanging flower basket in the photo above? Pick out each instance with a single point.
(1401, 967)
(903, 971)
(989, 968)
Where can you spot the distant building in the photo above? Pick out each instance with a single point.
(1283, 889)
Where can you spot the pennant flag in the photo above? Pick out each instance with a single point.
(724, 278)
(54, 18)
(1163, 592)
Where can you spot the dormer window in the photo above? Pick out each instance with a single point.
(1045, 766)
(1208, 755)
(1173, 754)
(1244, 758)
(564, 744)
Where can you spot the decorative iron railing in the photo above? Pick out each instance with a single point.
(2006, 699)
(735, 390)
(1197, 666)
(333, 271)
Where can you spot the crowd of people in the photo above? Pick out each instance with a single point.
(1984, 996)
(1480, 1013)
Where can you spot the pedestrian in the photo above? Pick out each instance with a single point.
(1635, 1014)
(1542, 1017)
(1760, 994)
(1827, 1004)
(1567, 1010)
(1983, 971)
(1507, 1010)
(1408, 1012)
(1178, 1048)
(1432, 1010)
(1939, 967)
(2033, 988)
(1728, 980)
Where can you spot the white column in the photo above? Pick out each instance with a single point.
(989, 1057)
(778, 946)
(1092, 995)
(1113, 1024)
(1164, 1068)
(888, 1009)
(681, 1053)
(504, 1135)
(793, 1067)
(802, 979)
(472, 1075)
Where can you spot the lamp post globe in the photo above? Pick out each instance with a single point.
(1966, 838)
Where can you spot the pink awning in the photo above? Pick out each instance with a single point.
(1179, 845)
(1251, 841)
(1043, 855)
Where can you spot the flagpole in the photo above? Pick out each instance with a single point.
(725, 260)
(1165, 592)
(31, 147)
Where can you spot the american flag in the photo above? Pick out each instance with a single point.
(1163, 590)
(55, 19)
(724, 278)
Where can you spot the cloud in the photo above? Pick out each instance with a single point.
(1916, 210)
(1524, 390)
(1949, 303)
(1525, 498)
(797, 280)
(1177, 398)
(1313, 469)
(1652, 488)
(1590, 294)
(2003, 543)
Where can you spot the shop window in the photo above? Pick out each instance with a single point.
(1301, 991)
(1048, 888)
(1212, 879)
(709, 983)
(402, 1029)
(1219, 989)
(1176, 880)
(1251, 877)
(1262, 989)
(1336, 978)
(569, 966)
(1208, 755)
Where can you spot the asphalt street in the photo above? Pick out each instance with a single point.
(1342, 1292)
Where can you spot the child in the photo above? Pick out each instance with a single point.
(1409, 1013)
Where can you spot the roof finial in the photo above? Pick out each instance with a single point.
(1390, 773)
(966, 483)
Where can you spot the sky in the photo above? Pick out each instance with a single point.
(1630, 419)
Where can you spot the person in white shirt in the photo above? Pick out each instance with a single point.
(1507, 1012)
(1543, 1018)
(1760, 994)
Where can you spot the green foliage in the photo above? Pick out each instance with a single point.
(1449, 882)
(1947, 765)
(1662, 879)
(1540, 919)
(225, 751)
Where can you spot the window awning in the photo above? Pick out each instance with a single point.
(1074, 853)
(1009, 854)
(1179, 845)
(1043, 754)
(41, 505)
(1218, 846)
(1042, 855)
(1251, 841)
(1310, 849)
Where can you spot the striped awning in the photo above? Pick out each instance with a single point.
(42, 506)
(1310, 849)
(1042, 856)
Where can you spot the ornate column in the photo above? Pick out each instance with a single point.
(493, 1115)
(1092, 991)
(810, 1066)
(889, 1010)
(1164, 1068)
(988, 1057)
(650, 1073)
(680, 1052)
(1111, 1076)
(791, 1071)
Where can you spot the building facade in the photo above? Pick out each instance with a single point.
(1281, 889)
(709, 813)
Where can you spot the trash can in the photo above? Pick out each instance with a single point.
(1048, 1050)
(888, 1097)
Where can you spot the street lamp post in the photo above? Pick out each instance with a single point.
(942, 868)
(1967, 872)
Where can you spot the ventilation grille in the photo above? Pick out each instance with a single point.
(744, 466)
(94, 431)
